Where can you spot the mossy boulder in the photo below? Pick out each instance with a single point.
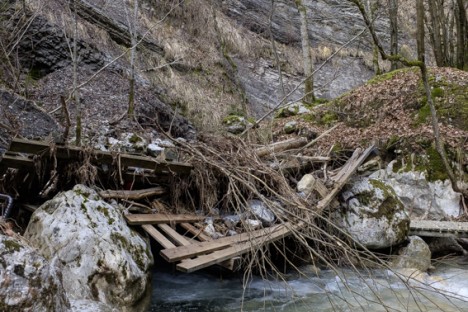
(103, 259)
(294, 109)
(235, 124)
(372, 214)
(28, 281)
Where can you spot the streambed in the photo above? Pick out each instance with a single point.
(377, 290)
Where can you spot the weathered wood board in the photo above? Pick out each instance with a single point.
(160, 218)
(184, 252)
(191, 265)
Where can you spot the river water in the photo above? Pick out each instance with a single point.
(346, 290)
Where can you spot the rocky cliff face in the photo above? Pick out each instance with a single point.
(192, 59)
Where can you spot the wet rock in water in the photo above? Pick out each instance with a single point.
(446, 245)
(89, 306)
(372, 214)
(261, 212)
(28, 282)
(422, 199)
(103, 259)
(416, 255)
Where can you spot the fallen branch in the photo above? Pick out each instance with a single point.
(136, 194)
(280, 146)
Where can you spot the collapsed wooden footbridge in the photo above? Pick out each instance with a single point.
(34, 169)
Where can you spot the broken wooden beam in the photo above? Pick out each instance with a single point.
(280, 146)
(16, 161)
(191, 265)
(100, 157)
(184, 252)
(134, 194)
(159, 218)
(344, 175)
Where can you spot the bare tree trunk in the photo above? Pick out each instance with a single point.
(309, 96)
(375, 50)
(76, 92)
(462, 35)
(436, 33)
(393, 15)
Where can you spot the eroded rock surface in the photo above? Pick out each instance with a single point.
(372, 214)
(103, 259)
(28, 282)
(422, 199)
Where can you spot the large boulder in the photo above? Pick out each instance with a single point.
(422, 199)
(103, 259)
(416, 255)
(372, 214)
(28, 282)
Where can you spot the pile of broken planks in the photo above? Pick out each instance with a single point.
(198, 250)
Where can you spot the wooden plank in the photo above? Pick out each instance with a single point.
(191, 265)
(134, 194)
(196, 232)
(348, 170)
(19, 162)
(158, 218)
(161, 239)
(183, 252)
(174, 236)
(74, 152)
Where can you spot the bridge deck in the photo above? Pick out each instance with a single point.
(438, 228)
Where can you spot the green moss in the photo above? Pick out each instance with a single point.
(388, 76)
(435, 168)
(11, 245)
(119, 238)
(135, 139)
(390, 204)
(437, 92)
(232, 119)
(105, 212)
(328, 118)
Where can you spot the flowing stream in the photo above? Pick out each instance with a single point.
(377, 290)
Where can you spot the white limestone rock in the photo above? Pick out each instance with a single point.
(372, 214)
(103, 259)
(28, 282)
(416, 255)
(422, 199)
(261, 212)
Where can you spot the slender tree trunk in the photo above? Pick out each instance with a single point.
(462, 34)
(435, 122)
(436, 34)
(309, 96)
(76, 92)
(393, 15)
(375, 50)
